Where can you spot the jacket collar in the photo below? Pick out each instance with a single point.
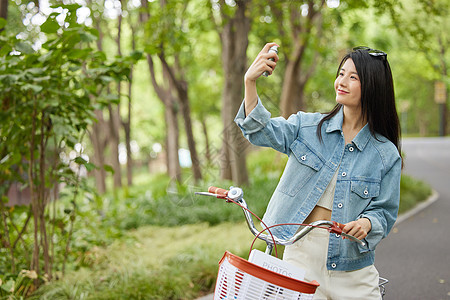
(360, 140)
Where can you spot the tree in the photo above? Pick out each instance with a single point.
(299, 26)
(47, 109)
(233, 26)
(166, 39)
(424, 25)
(164, 93)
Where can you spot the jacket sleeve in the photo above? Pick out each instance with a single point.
(382, 210)
(262, 130)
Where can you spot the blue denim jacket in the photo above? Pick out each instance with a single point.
(368, 183)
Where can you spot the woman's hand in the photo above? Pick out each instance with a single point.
(262, 63)
(359, 228)
(259, 65)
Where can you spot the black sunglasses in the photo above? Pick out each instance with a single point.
(373, 52)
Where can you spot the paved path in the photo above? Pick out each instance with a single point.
(416, 256)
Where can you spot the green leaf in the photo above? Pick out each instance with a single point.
(24, 48)
(79, 160)
(106, 79)
(40, 79)
(50, 26)
(35, 88)
(87, 37)
(2, 23)
(109, 169)
(5, 49)
(8, 286)
(36, 71)
(90, 167)
(136, 55)
(46, 56)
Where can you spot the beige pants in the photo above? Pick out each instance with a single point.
(310, 253)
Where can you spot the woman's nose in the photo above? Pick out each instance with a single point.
(342, 81)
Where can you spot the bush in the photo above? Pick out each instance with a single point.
(412, 191)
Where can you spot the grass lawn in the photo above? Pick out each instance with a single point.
(155, 262)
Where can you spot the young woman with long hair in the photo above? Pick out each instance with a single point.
(343, 166)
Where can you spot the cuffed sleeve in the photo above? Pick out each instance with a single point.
(262, 130)
(255, 121)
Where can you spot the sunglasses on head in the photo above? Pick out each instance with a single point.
(373, 52)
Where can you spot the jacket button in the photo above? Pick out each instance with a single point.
(303, 157)
(340, 205)
(333, 265)
(344, 174)
(366, 192)
(350, 149)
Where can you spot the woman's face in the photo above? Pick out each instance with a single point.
(348, 86)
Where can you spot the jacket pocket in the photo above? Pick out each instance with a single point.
(303, 164)
(365, 189)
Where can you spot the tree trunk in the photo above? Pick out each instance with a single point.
(43, 194)
(205, 134)
(292, 94)
(234, 38)
(4, 10)
(297, 73)
(127, 124)
(186, 112)
(99, 134)
(115, 121)
(98, 141)
(170, 112)
(172, 146)
(114, 144)
(127, 129)
(181, 87)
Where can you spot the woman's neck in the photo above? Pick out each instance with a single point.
(353, 122)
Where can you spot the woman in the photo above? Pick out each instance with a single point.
(343, 166)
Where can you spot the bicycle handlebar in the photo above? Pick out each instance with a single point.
(218, 191)
(235, 194)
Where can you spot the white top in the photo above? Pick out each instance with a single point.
(326, 200)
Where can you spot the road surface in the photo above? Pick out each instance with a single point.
(416, 255)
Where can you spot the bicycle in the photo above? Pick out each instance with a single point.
(240, 279)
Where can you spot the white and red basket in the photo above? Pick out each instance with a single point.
(242, 280)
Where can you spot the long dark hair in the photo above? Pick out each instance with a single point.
(377, 96)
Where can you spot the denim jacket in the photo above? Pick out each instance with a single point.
(368, 183)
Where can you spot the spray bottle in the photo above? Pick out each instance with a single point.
(272, 49)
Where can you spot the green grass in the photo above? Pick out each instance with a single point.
(412, 191)
(154, 263)
(153, 244)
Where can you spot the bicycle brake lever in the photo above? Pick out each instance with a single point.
(211, 194)
(351, 237)
(337, 228)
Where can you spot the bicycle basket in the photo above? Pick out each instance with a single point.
(243, 280)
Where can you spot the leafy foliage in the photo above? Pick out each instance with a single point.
(48, 101)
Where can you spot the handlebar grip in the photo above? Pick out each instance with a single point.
(337, 227)
(218, 191)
